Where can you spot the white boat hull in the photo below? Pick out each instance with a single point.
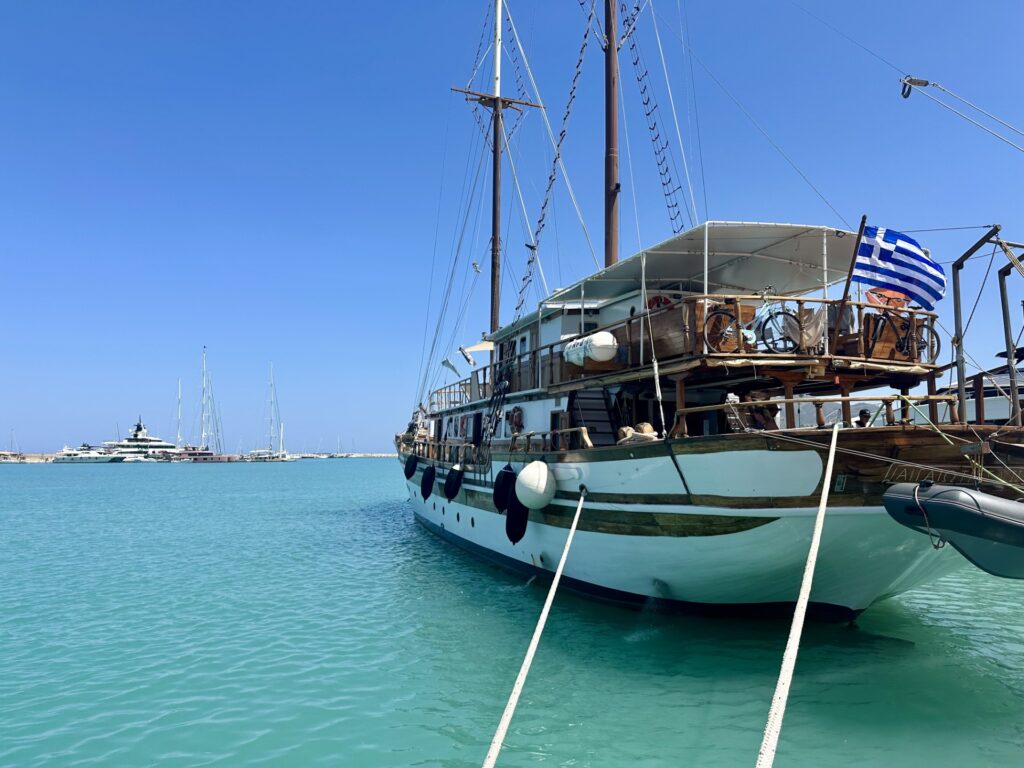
(703, 557)
(107, 459)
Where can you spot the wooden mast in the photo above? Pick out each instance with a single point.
(496, 108)
(611, 135)
(497, 104)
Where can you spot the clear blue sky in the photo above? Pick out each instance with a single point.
(263, 178)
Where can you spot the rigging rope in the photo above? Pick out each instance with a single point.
(979, 109)
(909, 83)
(437, 228)
(517, 73)
(850, 39)
(766, 136)
(663, 156)
(629, 165)
(981, 289)
(457, 252)
(551, 133)
(630, 22)
(478, 60)
(501, 382)
(884, 459)
(684, 34)
(980, 467)
(532, 245)
(675, 118)
(956, 111)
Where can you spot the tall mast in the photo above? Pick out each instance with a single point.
(496, 107)
(203, 414)
(177, 440)
(270, 415)
(611, 135)
(496, 103)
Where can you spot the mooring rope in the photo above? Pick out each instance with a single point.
(766, 755)
(524, 670)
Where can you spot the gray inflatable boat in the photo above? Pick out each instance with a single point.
(986, 529)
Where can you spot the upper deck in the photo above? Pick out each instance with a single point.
(724, 301)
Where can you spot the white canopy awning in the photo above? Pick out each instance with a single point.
(740, 257)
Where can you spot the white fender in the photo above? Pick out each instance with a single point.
(535, 485)
(599, 347)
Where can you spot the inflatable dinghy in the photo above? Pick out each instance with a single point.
(986, 529)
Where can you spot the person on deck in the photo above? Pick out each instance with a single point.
(863, 418)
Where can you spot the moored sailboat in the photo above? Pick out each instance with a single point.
(665, 386)
(275, 431)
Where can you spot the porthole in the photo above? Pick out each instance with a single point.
(458, 517)
(472, 522)
(434, 505)
(542, 559)
(442, 510)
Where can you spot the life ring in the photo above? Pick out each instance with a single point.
(658, 301)
(515, 419)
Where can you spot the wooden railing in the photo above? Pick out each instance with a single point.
(886, 405)
(455, 451)
(551, 440)
(678, 333)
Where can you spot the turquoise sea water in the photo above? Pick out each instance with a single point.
(294, 614)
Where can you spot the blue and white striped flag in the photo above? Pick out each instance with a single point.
(889, 259)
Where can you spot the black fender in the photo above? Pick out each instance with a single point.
(516, 518)
(427, 482)
(504, 485)
(453, 483)
(410, 466)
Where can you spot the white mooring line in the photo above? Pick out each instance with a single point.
(524, 670)
(766, 755)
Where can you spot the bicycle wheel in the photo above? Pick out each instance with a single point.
(928, 344)
(778, 332)
(721, 332)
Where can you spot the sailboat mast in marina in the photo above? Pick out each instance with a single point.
(210, 447)
(275, 429)
(667, 386)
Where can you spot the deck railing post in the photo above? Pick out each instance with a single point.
(979, 398)
(1011, 352)
(958, 330)
(933, 405)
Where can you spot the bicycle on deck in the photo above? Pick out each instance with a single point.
(914, 338)
(774, 326)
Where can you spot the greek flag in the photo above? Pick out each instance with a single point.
(889, 259)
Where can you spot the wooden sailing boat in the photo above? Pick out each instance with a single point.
(667, 385)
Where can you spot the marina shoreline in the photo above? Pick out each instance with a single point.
(47, 458)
